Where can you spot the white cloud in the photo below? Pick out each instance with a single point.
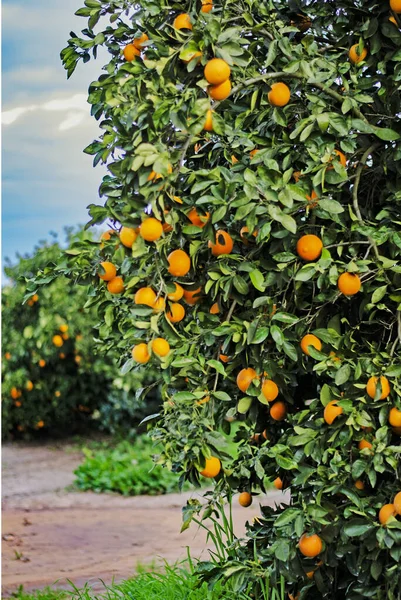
(72, 120)
(78, 101)
(75, 106)
(10, 116)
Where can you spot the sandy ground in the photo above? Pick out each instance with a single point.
(53, 535)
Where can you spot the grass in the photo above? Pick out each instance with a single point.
(125, 468)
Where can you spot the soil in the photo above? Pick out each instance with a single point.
(52, 534)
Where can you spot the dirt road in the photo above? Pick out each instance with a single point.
(50, 534)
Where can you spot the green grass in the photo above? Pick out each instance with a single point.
(126, 468)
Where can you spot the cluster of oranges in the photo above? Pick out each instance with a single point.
(33, 300)
(391, 510)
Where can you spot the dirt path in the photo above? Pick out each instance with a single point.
(50, 534)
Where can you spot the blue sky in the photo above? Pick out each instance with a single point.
(47, 180)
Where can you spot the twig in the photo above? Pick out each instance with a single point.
(185, 150)
(228, 319)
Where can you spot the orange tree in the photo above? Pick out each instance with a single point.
(53, 380)
(253, 153)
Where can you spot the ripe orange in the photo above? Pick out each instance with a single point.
(217, 71)
(197, 219)
(29, 386)
(349, 284)
(110, 271)
(244, 235)
(386, 511)
(176, 313)
(106, 235)
(159, 304)
(207, 6)
(278, 411)
(208, 126)
(372, 386)
(204, 400)
(57, 393)
(7, 355)
(63, 328)
(245, 499)
(40, 424)
(354, 55)
(245, 378)
(140, 353)
(146, 296)
(58, 341)
(116, 285)
(342, 157)
(278, 483)
(78, 359)
(214, 309)
(269, 390)
(30, 302)
(395, 6)
(61, 355)
(140, 40)
(65, 336)
(332, 411)
(310, 545)
(309, 247)
(279, 94)
(130, 52)
(35, 297)
(212, 467)
(42, 363)
(179, 262)
(160, 347)
(183, 21)
(128, 236)
(151, 229)
(18, 403)
(191, 297)
(364, 444)
(177, 294)
(395, 417)
(224, 243)
(397, 503)
(359, 485)
(310, 340)
(15, 393)
(224, 358)
(221, 91)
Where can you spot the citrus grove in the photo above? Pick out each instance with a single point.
(53, 382)
(254, 257)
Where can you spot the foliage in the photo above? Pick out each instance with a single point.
(74, 387)
(328, 164)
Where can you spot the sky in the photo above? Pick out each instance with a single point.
(47, 181)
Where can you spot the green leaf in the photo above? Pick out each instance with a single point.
(331, 206)
(215, 364)
(357, 527)
(343, 374)
(379, 293)
(257, 280)
(244, 404)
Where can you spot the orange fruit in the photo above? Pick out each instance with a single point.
(349, 284)
(386, 511)
(194, 54)
(310, 340)
(179, 262)
(159, 304)
(177, 294)
(332, 411)
(35, 297)
(372, 385)
(309, 247)
(310, 545)
(161, 347)
(145, 296)
(42, 363)
(151, 229)
(269, 390)
(354, 55)
(116, 285)
(15, 393)
(40, 424)
(244, 235)
(212, 467)
(279, 94)
(106, 235)
(65, 336)
(57, 394)
(18, 403)
(221, 91)
(176, 313)
(61, 355)
(191, 297)
(364, 444)
(128, 236)
(204, 400)
(278, 411)
(207, 6)
(130, 52)
(245, 378)
(140, 353)
(214, 309)
(197, 219)
(292, 597)
(224, 243)
(393, 20)
(297, 176)
(234, 159)
(342, 157)
(253, 152)
(278, 483)
(395, 6)
(397, 503)
(109, 271)
(57, 341)
(208, 126)
(63, 328)
(245, 499)
(30, 302)
(7, 355)
(29, 386)
(183, 21)
(313, 200)
(78, 359)
(394, 417)
(224, 358)
(140, 40)
(359, 485)
(217, 71)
